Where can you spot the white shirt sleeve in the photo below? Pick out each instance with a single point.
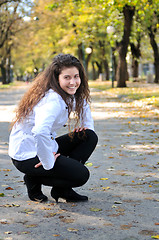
(87, 120)
(45, 115)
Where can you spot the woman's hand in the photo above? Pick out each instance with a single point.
(38, 165)
(80, 129)
(56, 155)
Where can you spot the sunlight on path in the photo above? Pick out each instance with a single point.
(7, 113)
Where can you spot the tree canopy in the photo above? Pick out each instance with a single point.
(34, 34)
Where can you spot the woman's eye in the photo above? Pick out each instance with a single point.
(77, 76)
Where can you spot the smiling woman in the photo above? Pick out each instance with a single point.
(69, 80)
(33, 146)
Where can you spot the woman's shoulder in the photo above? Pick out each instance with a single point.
(52, 95)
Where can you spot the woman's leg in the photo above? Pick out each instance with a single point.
(66, 172)
(80, 146)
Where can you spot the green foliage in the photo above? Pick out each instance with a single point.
(62, 25)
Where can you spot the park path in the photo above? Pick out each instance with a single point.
(123, 189)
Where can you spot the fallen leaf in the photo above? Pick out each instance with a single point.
(103, 178)
(31, 225)
(113, 206)
(110, 169)
(9, 188)
(126, 226)
(1, 194)
(105, 188)
(95, 209)
(67, 220)
(9, 232)
(156, 223)
(147, 232)
(89, 164)
(117, 202)
(28, 211)
(116, 214)
(46, 208)
(6, 170)
(155, 237)
(26, 232)
(3, 221)
(50, 215)
(72, 229)
(120, 210)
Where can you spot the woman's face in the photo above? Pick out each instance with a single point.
(69, 80)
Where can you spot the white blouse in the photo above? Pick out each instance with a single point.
(36, 134)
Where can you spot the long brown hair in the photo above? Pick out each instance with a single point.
(48, 79)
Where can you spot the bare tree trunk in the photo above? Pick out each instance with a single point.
(94, 73)
(3, 72)
(106, 67)
(105, 62)
(136, 54)
(156, 54)
(99, 65)
(121, 75)
(87, 61)
(81, 53)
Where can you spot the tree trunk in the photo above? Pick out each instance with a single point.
(87, 61)
(94, 75)
(156, 54)
(106, 67)
(81, 53)
(3, 72)
(135, 68)
(99, 65)
(121, 75)
(136, 54)
(105, 62)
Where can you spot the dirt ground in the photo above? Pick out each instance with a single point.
(123, 189)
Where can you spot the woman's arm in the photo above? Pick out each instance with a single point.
(45, 116)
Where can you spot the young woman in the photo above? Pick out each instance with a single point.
(33, 146)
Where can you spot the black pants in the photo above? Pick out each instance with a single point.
(69, 170)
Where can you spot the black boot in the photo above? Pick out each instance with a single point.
(34, 189)
(68, 194)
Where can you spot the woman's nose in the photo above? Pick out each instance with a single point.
(72, 81)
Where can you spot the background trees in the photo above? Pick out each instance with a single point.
(32, 35)
(11, 14)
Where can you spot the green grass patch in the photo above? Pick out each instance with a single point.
(4, 86)
(148, 93)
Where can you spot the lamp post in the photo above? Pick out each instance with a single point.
(110, 31)
(88, 50)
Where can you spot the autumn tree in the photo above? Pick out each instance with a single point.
(11, 14)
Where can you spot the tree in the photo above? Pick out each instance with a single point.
(152, 30)
(149, 20)
(136, 54)
(121, 74)
(11, 14)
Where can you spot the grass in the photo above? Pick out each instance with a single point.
(141, 91)
(13, 84)
(149, 93)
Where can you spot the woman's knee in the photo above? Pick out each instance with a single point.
(82, 176)
(92, 136)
